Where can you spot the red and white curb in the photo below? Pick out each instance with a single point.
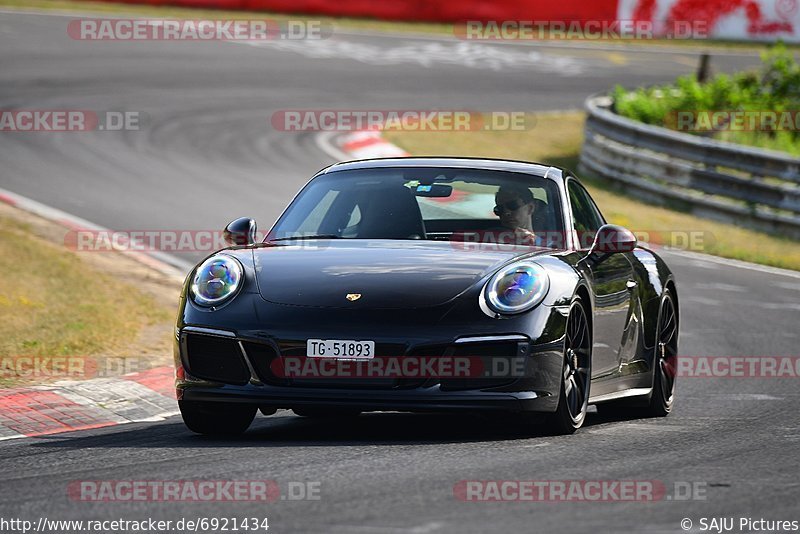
(368, 144)
(363, 144)
(82, 405)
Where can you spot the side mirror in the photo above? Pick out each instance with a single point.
(240, 232)
(611, 238)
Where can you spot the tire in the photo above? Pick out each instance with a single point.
(665, 359)
(217, 418)
(576, 381)
(325, 413)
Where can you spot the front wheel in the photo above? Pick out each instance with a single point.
(217, 418)
(573, 398)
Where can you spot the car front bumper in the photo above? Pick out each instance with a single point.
(530, 381)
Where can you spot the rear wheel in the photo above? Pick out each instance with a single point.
(666, 359)
(217, 418)
(576, 373)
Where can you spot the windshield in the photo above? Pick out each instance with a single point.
(426, 204)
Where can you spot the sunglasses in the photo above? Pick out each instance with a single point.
(512, 205)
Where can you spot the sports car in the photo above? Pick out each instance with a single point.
(429, 284)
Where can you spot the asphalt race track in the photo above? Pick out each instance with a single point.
(208, 154)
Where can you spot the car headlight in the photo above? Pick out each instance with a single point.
(216, 280)
(517, 288)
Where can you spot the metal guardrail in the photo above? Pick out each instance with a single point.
(714, 179)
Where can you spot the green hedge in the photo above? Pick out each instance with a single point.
(774, 88)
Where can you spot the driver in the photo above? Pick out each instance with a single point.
(514, 205)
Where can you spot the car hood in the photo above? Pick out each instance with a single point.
(385, 273)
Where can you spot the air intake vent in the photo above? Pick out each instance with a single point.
(217, 359)
(262, 356)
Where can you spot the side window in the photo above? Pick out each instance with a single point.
(586, 218)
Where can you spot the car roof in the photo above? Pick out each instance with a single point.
(490, 164)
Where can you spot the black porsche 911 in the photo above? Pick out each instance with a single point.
(429, 284)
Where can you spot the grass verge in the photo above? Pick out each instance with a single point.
(65, 317)
(556, 139)
(432, 28)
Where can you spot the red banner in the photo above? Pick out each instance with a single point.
(420, 10)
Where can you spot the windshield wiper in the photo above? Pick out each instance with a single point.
(321, 236)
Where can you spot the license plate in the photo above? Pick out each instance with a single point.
(340, 349)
